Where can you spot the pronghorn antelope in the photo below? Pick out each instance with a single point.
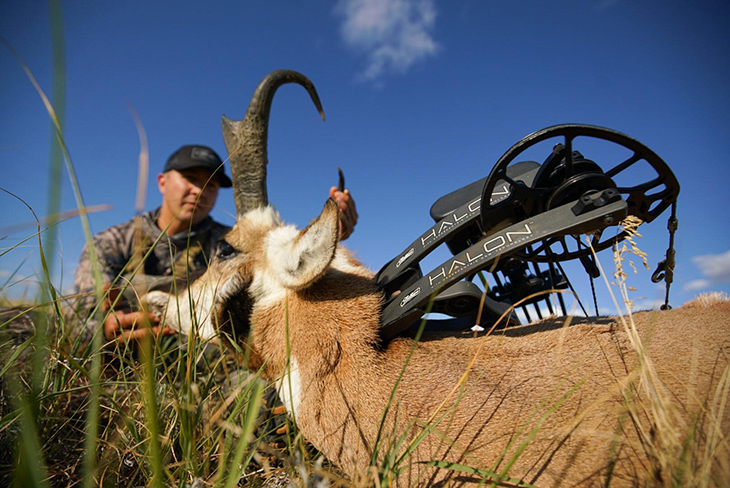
(545, 404)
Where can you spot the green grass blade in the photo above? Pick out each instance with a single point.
(533, 432)
(149, 384)
(18, 351)
(93, 411)
(59, 105)
(30, 469)
(236, 467)
(416, 339)
(488, 475)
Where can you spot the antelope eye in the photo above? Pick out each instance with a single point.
(225, 250)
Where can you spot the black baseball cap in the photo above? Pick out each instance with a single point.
(198, 157)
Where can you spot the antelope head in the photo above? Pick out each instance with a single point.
(259, 244)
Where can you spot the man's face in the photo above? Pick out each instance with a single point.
(188, 194)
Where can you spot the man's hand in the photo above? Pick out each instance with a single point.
(122, 325)
(348, 211)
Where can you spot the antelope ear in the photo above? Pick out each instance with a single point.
(298, 259)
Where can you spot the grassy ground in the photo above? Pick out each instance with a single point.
(212, 420)
(185, 414)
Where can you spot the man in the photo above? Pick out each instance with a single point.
(165, 247)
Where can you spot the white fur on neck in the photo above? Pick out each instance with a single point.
(205, 299)
(289, 387)
(265, 290)
(342, 263)
(263, 216)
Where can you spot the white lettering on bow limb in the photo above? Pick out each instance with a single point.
(432, 278)
(404, 257)
(492, 245)
(410, 296)
(454, 264)
(431, 234)
(525, 232)
(458, 219)
(443, 224)
(470, 259)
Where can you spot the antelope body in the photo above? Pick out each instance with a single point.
(546, 404)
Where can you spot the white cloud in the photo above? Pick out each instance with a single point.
(647, 304)
(392, 34)
(715, 267)
(699, 284)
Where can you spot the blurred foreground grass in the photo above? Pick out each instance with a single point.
(164, 420)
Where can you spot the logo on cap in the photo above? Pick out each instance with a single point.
(202, 154)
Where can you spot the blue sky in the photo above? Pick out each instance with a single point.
(421, 97)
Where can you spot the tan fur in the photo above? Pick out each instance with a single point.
(519, 374)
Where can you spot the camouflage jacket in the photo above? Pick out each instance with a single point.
(138, 254)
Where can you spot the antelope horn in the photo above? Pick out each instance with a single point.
(246, 140)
